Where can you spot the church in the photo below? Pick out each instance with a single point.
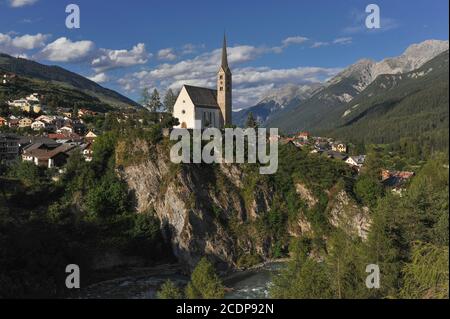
(199, 108)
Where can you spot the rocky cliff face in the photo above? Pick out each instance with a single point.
(210, 210)
(196, 204)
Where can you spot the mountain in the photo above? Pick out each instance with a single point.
(412, 105)
(276, 100)
(313, 114)
(42, 75)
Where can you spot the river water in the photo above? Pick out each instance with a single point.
(248, 284)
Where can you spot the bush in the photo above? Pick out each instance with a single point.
(205, 283)
(169, 291)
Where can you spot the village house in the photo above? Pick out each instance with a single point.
(65, 130)
(87, 152)
(20, 103)
(339, 147)
(356, 161)
(90, 137)
(38, 125)
(396, 180)
(198, 107)
(47, 119)
(48, 155)
(85, 112)
(304, 136)
(25, 122)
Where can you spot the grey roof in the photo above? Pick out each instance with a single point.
(336, 155)
(202, 97)
(359, 159)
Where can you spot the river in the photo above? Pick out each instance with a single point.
(248, 284)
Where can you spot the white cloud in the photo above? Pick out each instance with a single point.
(65, 50)
(17, 45)
(113, 59)
(347, 40)
(167, 54)
(99, 78)
(358, 23)
(30, 42)
(319, 44)
(190, 48)
(21, 3)
(294, 40)
(250, 83)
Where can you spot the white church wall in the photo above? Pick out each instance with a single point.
(184, 110)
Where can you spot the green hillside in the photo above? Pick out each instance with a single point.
(310, 113)
(413, 105)
(43, 79)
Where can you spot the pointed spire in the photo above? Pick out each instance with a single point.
(224, 53)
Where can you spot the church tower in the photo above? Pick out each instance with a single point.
(224, 86)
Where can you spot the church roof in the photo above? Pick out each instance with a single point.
(224, 63)
(202, 97)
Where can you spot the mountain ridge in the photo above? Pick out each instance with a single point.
(55, 74)
(348, 84)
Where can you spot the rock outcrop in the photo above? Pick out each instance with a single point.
(211, 209)
(196, 204)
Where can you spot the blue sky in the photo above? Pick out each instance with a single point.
(129, 45)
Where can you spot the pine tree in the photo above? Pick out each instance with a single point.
(169, 101)
(169, 291)
(155, 101)
(251, 122)
(145, 98)
(205, 283)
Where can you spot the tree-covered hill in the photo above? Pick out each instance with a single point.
(56, 77)
(411, 106)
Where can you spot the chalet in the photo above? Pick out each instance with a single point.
(20, 103)
(395, 180)
(48, 155)
(303, 136)
(65, 130)
(90, 137)
(339, 147)
(84, 112)
(47, 119)
(356, 161)
(38, 125)
(25, 122)
(87, 152)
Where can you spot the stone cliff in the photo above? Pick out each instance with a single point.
(215, 210)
